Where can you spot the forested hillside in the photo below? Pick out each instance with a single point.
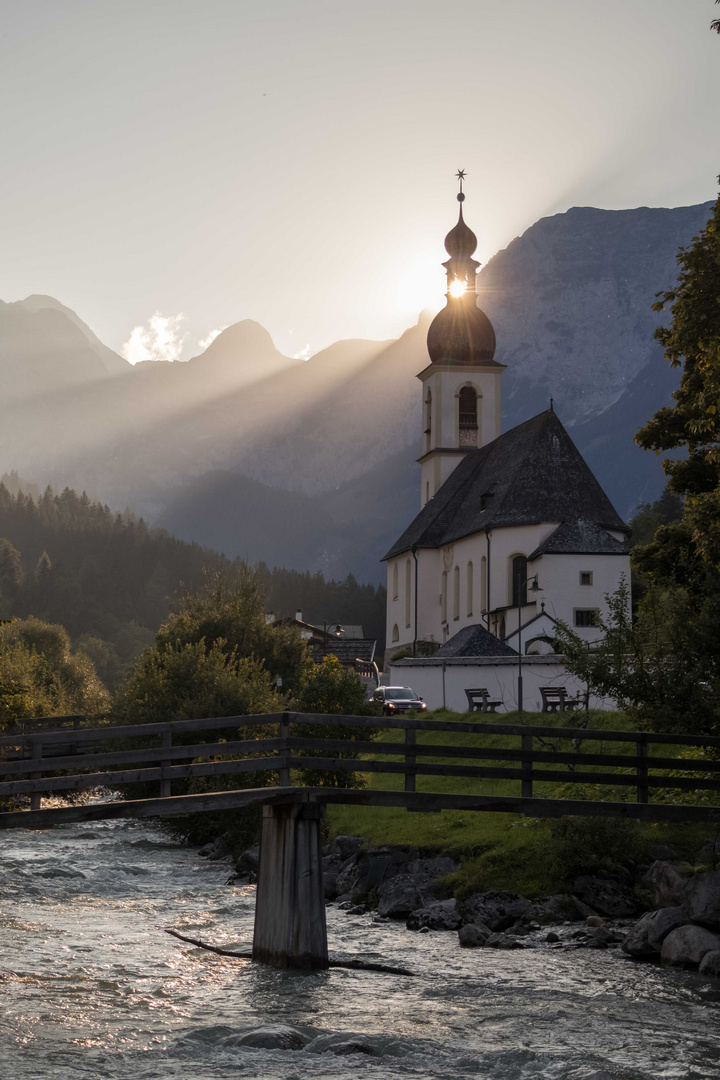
(111, 580)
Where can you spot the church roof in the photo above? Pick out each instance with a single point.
(474, 640)
(580, 537)
(530, 474)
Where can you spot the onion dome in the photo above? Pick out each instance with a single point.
(461, 333)
(460, 241)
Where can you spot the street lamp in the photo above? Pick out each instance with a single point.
(336, 631)
(535, 588)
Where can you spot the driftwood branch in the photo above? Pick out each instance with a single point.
(355, 965)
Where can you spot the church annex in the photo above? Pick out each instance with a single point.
(514, 530)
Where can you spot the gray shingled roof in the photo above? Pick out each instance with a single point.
(580, 537)
(346, 651)
(474, 640)
(530, 474)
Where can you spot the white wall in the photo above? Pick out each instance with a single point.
(443, 685)
(559, 578)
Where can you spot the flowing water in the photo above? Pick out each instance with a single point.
(91, 987)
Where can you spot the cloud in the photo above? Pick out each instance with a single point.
(160, 339)
(212, 334)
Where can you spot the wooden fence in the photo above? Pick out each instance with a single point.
(88, 757)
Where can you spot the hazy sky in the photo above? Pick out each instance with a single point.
(292, 161)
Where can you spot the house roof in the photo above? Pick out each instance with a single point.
(346, 651)
(474, 640)
(530, 474)
(580, 537)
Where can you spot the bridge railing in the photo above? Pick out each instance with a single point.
(88, 757)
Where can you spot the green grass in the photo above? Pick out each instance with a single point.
(506, 850)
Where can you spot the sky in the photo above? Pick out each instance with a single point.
(174, 166)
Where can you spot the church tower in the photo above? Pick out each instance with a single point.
(461, 385)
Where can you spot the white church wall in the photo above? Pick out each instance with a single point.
(443, 685)
(559, 577)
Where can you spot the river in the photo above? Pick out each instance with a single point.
(91, 986)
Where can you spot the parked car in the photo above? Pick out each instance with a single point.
(398, 699)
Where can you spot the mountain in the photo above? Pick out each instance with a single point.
(311, 464)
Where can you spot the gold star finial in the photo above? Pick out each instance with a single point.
(460, 174)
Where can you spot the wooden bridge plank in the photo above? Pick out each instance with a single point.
(226, 800)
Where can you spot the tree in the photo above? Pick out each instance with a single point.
(231, 609)
(692, 341)
(40, 675)
(662, 668)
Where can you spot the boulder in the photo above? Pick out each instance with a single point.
(558, 908)
(403, 894)
(433, 868)
(219, 848)
(503, 941)
(605, 896)
(703, 899)
(665, 920)
(687, 945)
(249, 861)
(710, 964)
(272, 1037)
(472, 936)
(346, 846)
(637, 943)
(495, 909)
(442, 915)
(667, 884)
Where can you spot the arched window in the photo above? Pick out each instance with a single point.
(408, 589)
(443, 596)
(519, 581)
(469, 588)
(483, 584)
(428, 420)
(395, 633)
(427, 491)
(468, 416)
(456, 593)
(395, 582)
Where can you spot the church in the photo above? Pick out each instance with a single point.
(514, 531)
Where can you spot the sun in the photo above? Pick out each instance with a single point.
(457, 287)
(420, 286)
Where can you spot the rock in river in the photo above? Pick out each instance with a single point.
(495, 909)
(442, 915)
(703, 899)
(688, 945)
(272, 1037)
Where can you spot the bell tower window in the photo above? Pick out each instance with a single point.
(428, 421)
(467, 407)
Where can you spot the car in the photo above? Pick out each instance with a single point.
(398, 699)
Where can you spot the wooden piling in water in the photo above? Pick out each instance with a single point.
(290, 930)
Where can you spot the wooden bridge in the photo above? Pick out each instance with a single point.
(59, 755)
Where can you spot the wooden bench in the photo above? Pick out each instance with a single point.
(556, 699)
(479, 700)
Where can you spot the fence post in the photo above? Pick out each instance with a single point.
(165, 783)
(526, 784)
(36, 774)
(642, 769)
(284, 770)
